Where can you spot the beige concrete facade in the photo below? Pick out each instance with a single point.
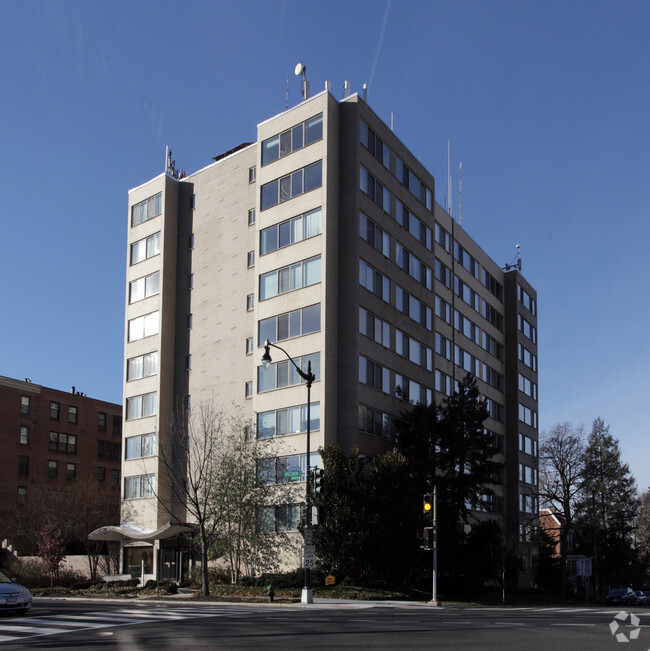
(436, 310)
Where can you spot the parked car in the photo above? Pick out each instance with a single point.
(13, 597)
(621, 597)
(641, 598)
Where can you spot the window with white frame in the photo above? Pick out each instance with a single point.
(293, 185)
(144, 287)
(289, 420)
(142, 366)
(290, 231)
(290, 324)
(139, 486)
(143, 445)
(141, 406)
(285, 143)
(144, 326)
(146, 210)
(145, 248)
(287, 279)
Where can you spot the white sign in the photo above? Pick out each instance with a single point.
(309, 553)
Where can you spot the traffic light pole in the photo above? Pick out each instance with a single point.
(434, 587)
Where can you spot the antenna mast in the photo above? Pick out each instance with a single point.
(460, 193)
(449, 210)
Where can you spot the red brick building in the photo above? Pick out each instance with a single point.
(54, 441)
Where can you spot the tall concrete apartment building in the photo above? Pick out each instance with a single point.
(323, 236)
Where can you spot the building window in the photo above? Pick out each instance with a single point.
(374, 375)
(442, 237)
(248, 390)
(527, 328)
(190, 281)
(52, 469)
(527, 386)
(411, 391)
(117, 424)
(415, 309)
(527, 415)
(374, 327)
(408, 179)
(71, 471)
(373, 281)
(293, 185)
(527, 300)
(442, 383)
(284, 374)
(145, 248)
(251, 259)
(374, 189)
(60, 442)
(290, 231)
(73, 413)
(140, 446)
(189, 321)
(251, 216)
(374, 144)
(293, 139)
(188, 362)
(528, 358)
(494, 287)
(280, 518)
(250, 302)
(527, 445)
(415, 226)
(24, 435)
(289, 325)
(22, 495)
(139, 486)
(144, 287)
(55, 409)
(101, 473)
(109, 450)
(252, 174)
(375, 236)
(141, 406)
(291, 420)
(116, 476)
(298, 275)
(25, 405)
(146, 210)
(415, 268)
(144, 326)
(527, 475)
(249, 345)
(101, 421)
(142, 366)
(23, 465)
(375, 422)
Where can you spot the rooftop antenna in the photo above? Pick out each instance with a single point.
(516, 262)
(449, 178)
(346, 88)
(365, 93)
(302, 70)
(286, 101)
(460, 193)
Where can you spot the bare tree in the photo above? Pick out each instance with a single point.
(561, 474)
(209, 479)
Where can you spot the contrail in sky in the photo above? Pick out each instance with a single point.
(381, 41)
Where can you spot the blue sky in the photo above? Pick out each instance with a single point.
(546, 104)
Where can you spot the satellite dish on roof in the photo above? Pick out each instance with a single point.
(299, 70)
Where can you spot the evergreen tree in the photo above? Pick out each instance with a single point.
(446, 446)
(608, 510)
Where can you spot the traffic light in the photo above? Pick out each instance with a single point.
(318, 480)
(427, 538)
(427, 507)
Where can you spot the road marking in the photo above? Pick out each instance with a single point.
(24, 628)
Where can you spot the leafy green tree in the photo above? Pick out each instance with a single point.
(608, 509)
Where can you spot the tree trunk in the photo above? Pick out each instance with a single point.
(205, 585)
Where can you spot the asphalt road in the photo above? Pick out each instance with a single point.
(63, 624)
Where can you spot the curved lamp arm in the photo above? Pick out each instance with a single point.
(308, 377)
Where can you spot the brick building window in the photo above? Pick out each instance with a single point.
(101, 421)
(52, 469)
(101, 473)
(25, 405)
(22, 494)
(71, 471)
(73, 413)
(24, 435)
(55, 409)
(23, 465)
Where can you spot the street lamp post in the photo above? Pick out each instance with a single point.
(308, 377)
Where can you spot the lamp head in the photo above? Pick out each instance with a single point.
(266, 358)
